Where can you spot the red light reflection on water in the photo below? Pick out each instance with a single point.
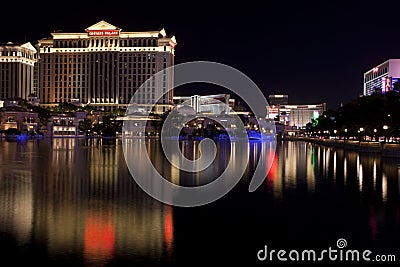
(99, 239)
(168, 229)
(273, 171)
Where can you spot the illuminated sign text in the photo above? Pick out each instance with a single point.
(103, 33)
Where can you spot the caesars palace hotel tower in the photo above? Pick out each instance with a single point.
(104, 66)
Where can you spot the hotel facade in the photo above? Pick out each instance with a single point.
(104, 66)
(295, 116)
(17, 70)
(207, 104)
(382, 77)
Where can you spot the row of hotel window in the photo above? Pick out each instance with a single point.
(122, 100)
(13, 119)
(376, 74)
(81, 79)
(122, 77)
(138, 57)
(74, 69)
(101, 49)
(81, 72)
(82, 91)
(129, 83)
(13, 53)
(64, 133)
(62, 91)
(106, 42)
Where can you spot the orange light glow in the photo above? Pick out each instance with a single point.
(99, 238)
(168, 229)
(172, 44)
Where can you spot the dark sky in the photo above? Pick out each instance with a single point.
(314, 51)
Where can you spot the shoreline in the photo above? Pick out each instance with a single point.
(382, 148)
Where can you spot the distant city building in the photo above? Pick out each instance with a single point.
(33, 100)
(382, 77)
(296, 116)
(207, 104)
(276, 100)
(14, 116)
(104, 66)
(95, 116)
(17, 70)
(66, 124)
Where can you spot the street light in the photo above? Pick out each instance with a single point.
(361, 135)
(385, 127)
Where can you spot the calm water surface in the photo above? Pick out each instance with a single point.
(73, 202)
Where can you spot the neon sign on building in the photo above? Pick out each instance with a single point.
(103, 33)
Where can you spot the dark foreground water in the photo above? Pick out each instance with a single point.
(72, 202)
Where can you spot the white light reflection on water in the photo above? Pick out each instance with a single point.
(357, 165)
(309, 158)
(290, 166)
(360, 177)
(82, 203)
(334, 165)
(384, 187)
(374, 174)
(345, 170)
(16, 203)
(398, 180)
(327, 161)
(293, 166)
(16, 190)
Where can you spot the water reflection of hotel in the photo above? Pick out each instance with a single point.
(297, 164)
(372, 177)
(78, 197)
(112, 222)
(292, 166)
(16, 191)
(94, 210)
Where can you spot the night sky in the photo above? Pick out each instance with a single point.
(314, 51)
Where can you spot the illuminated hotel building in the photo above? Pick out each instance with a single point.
(277, 100)
(295, 115)
(207, 104)
(104, 66)
(17, 70)
(382, 77)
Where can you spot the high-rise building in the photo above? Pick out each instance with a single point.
(104, 66)
(381, 78)
(299, 115)
(17, 70)
(296, 116)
